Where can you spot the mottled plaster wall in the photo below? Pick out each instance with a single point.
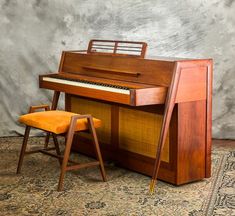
(34, 32)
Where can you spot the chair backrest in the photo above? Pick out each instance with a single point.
(112, 47)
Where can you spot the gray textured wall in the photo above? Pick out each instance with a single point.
(34, 32)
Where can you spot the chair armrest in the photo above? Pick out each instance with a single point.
(44, 106)
(76, 117)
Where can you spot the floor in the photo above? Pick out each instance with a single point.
(33, 192)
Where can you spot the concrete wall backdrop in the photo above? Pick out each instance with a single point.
(34, 32)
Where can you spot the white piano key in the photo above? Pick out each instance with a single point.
(86, 85)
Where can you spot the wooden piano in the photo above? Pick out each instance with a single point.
(153, 109)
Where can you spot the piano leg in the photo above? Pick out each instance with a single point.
(169, 106)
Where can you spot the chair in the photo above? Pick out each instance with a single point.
(58, 122)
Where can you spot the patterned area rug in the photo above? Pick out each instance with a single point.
(126, 193)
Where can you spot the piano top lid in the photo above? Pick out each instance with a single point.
(148, 57)
(118, 48)
(123, 68)
(169, 58)
(152, 70)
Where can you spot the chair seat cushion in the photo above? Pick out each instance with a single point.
(55, 121)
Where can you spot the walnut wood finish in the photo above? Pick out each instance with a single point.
(23, 149)
(69, 139)
(189, 77)
(177, 171)
(169, 105)
(33, 108)
(184, 86)
(75, 63)
(112, 71)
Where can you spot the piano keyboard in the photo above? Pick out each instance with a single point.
(89, 84)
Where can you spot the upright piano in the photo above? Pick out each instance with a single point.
(156, 112)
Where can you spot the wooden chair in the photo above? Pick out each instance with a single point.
(64, 123)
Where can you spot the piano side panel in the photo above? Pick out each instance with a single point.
(139, 132)
(157, 72)
(192, 154)
(192, 84)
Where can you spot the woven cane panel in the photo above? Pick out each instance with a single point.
(98, 110)
(139, 132)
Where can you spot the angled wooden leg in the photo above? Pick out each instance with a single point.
(68, 145)
(169, 106)
(23, 148)
(57, 147)
(69, 139)
(64, 164)
(55, 100)
(47, 140)
(97, 148)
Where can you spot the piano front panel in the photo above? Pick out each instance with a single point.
(139, 132)
(98, 110)
(157, 72)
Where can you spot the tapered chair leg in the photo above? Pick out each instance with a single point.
(47, 139)
(23, 149)
(97, 148)
(64, 164)
(68, 145)
(57, 148)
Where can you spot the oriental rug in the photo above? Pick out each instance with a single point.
(33, 192)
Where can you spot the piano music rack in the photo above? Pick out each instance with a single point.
(121, 48)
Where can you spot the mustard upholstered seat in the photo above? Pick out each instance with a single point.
(65, 123)
(55, 121)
